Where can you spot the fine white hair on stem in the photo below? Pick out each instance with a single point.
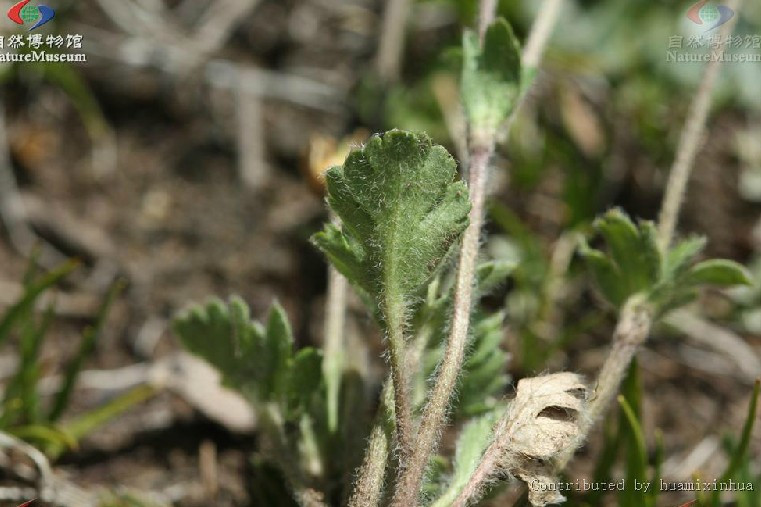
(545, 418)
(368, 488)
(540, 32)
(636, 316)
(690, 140)
(480, 150)
(545, 22)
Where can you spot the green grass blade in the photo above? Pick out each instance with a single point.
(32, 267)
(741, 451)
(16, 311)
(657, 469)
(633, 438)
(86, 423)
(68, 79)
(86, 348)
(44, 435)
(20, 402)
(637, 461)
(610, 450)
(29, 373)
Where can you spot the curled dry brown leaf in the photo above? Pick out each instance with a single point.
(544, 421)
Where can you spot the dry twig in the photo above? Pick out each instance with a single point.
(392, 36)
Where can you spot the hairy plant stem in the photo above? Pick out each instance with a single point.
(368, 489)
(692, 135)
(333, 339)
(490, 463)
(540, 33)
(636, 316)
(395, 322)
(532, 53)
(487, 10)
(275, 446)
(481, 147)
(435, 413)
(631, 331)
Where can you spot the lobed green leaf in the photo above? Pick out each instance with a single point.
(279, 348)
(255, 360)
(491, 76)
(484, 376)
(401, 212)
(633, 249)
(635, 265)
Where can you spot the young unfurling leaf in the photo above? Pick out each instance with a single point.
(635, 265)
(491, 76)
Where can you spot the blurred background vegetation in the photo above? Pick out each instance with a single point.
(183, 160)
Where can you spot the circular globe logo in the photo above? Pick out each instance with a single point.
(709, 14)
(24, 13)
(30, 13)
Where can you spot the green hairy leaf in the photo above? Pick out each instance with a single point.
(606, 273)
(491, 76)
(284, 387)
(255, 360)
(401, 213)
(632, 249)
(473, 440)
(680, 257)
(492, 274)
(484, 377)
(718, 272)
(224, 336)
(635, 265)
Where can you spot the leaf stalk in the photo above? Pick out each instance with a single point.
(435, 413)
